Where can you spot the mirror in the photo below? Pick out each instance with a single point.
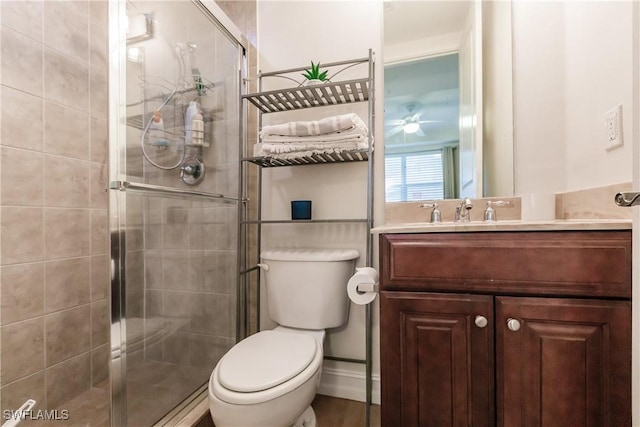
(447, 68)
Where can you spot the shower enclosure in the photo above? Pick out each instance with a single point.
(175, 82)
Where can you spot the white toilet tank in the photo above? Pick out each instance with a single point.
(307, 288)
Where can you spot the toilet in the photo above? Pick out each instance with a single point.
(269, 379)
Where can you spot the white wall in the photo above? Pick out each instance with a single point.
(291, 34)
(572, 63)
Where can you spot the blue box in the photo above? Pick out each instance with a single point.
(300, 209)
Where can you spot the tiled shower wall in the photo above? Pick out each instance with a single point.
(54, 241)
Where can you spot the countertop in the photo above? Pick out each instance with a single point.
(556, 225)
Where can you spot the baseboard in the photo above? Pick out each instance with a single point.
(348, 384)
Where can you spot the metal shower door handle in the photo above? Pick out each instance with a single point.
(628, 199)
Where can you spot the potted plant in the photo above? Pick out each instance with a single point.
(314, 76)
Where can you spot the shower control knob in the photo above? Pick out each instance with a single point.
(192, 171)
(481, 321)
(513, 324)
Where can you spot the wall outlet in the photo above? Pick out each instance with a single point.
(613, 128)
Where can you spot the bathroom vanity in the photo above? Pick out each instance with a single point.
(506, 326)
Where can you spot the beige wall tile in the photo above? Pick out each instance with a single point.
(99, 323)
(207, 350)
(24, 16)
(67, 380)
(212, 271)
(99, 186)
(100, 277)
(153, 226)
(135, 305)
(15, 394)
(68, 333)
(66, 81)
(178, 306)
(66, 182)
(100, 364)
(67, 283)
(98, 49)
(176, 229)
(99, 232)
(66, 28)
(99, 140)
(175, 270)
(135, 271)
(21, 62)
(66, 131)
(66, 233)
(21, 235)
(593, 203)
(99, 94)
(153, 304)
(211, 315)
(22, 173)
(23, 349)
(22, 292)
(176, 348)
(21, 119)
(153, 269)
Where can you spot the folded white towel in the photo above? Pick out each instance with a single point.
(327, 125)
(277, 151)
(320, 139)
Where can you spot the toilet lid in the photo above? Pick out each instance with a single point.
(265, 360)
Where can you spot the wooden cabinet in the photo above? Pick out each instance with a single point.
(432, 339)
(568, 364)
(552, 355)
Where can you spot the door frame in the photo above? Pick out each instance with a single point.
(635, 328)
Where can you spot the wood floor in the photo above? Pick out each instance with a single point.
(334, 412)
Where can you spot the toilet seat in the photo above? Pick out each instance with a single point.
(265, 360)
(254, 355)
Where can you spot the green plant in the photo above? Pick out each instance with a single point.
(314, 73)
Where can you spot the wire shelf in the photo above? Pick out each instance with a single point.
(319, 95)
(315, 159)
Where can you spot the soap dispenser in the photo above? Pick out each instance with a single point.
(192, 110)
(197, 129)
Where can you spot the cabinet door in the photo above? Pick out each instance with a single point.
(568, 364)
(437, 366)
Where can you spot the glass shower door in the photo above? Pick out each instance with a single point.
(173, 203)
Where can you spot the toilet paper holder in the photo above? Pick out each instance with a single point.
(367, 287)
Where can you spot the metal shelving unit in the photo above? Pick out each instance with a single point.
(335, 92)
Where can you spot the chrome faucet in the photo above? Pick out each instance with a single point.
(463, 212)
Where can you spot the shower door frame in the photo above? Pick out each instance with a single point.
(119, 186)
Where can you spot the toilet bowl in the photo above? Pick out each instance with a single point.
(270, 379)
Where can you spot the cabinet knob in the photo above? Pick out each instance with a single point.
(513, 324)
(481, 321)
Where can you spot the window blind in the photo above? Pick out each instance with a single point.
(414, 176)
